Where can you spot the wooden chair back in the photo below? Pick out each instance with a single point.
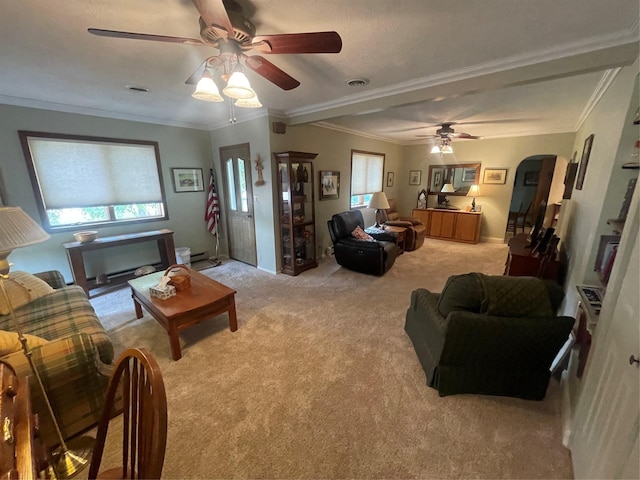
(136, 389)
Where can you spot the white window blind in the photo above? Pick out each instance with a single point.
(84, 173)
(366, 172)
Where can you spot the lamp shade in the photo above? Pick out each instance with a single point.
(474, 191)
(253, 102)
(238, 86)
(435, 149)
(207, 90)
(379, 200)
(448, 188)
(17, 229)
(446, 149)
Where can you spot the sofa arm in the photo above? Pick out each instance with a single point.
(53, 278)
(399, 223)
(75, 380)
(519, 342)
(411, 220)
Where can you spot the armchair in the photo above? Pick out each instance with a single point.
(371, 257)
(490, 335)
(414, 237)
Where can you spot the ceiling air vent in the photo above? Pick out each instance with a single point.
(358, 82)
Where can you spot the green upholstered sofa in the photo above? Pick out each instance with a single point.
(492, 335)
(74, 363)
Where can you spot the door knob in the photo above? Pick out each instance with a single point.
(249, 216)
(633, 360)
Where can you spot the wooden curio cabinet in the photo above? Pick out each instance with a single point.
(297, 211)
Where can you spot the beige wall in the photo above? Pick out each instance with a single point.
(493, 153)
(179, 147)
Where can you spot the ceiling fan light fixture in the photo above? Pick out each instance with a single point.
(435, 149)
(446, 149)
(253, 102)
(238, 87)
(207, 90)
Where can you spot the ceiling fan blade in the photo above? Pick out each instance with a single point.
(272, 73)
(145, 36)
(214, 13)
(315, 42)
(464, 136)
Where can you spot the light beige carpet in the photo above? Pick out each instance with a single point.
(321, 381)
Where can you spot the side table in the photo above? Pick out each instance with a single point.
(389, 234)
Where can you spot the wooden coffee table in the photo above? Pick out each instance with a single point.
(205, 298)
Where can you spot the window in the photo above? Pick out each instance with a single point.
(366, 176)
(81, 181)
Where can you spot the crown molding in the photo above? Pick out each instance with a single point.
(246, 117)
(338, 128)
(600, 42)
(603, 85)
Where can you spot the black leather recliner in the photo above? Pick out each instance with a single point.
(373, 258)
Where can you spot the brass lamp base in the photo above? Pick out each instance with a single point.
(66, 463)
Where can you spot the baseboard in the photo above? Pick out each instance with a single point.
(492, 239)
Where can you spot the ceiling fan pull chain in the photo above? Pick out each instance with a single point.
(232, 112)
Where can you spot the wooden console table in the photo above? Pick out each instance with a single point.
(75, 250)
(454, 225)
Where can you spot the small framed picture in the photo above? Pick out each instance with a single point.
(390, 178)
(329, 185)
(187, 179)
(584, 160)
(495, 176)
(415, 177)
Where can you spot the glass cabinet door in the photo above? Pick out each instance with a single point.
(296, 204)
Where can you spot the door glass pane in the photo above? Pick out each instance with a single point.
(243, 185)
(232, 185)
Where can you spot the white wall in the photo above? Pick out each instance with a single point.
(492, 153)
(179, 147)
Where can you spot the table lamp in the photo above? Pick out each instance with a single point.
(474, 192)
(442, 199)
(17, 229)
(378, 201)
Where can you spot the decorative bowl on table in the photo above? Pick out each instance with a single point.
(86, 236)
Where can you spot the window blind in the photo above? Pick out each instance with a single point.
(366, 173)
(84, 173)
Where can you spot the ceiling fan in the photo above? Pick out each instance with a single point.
(224, 27)
(446, 132)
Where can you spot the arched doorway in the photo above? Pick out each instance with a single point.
(538, 178)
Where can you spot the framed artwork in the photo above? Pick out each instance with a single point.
(390, 178)
(531, 178)
(422, 199)
(469, 175)
(415, 177)
(586, 152)
(187, 179)
(329, 185)
(495, 176)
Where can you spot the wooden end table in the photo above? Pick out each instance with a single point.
(204, 298)
(389, 233)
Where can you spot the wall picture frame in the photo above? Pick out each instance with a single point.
(494, 176)
(415, 177)
(584, 161)
(390, 178)
(329, 185)
(187, 180)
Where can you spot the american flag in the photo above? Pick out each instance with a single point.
(212, 212)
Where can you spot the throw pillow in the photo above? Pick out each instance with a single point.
(9, 342)
(461, 292)
(362, 235)
(22, 288)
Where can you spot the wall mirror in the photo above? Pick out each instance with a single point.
(461, 176)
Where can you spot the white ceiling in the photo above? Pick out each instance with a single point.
(497, 67)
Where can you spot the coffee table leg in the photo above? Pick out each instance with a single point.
(233, 320)
(174, 341)
(137, 306)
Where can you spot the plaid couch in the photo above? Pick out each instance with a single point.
(74, 365)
